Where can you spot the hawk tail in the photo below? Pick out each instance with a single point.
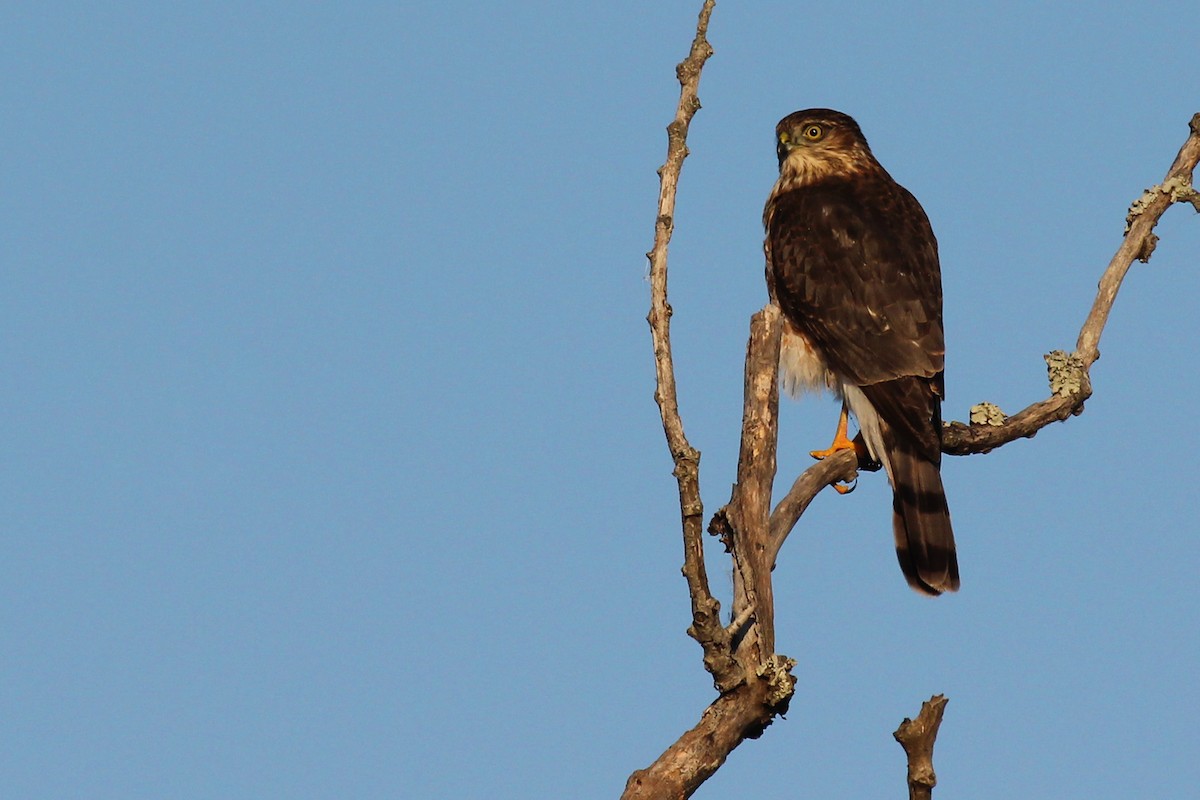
(921, 523)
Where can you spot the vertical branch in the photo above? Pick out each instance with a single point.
(706, 622)
(749, 700)
(749, 510)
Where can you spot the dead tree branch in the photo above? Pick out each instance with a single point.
(754, 684)
(706, 611)
(749, 511)
(1070, 378)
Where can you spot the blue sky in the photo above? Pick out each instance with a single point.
(331, 466)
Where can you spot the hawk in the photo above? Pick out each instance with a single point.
(852, 263)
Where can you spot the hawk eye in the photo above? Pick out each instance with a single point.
(814, 132)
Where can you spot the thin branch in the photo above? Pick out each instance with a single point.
(706, 611)
(917, 737)
(752, 695)
(960, 439)
(1067, 398)
(841, 467)
(1140, 239)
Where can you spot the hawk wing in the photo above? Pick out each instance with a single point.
(853, 264)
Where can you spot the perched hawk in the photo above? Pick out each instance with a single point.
(853, 264)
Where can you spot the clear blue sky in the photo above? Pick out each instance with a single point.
(330, 464)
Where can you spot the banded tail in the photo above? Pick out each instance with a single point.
(921, 523)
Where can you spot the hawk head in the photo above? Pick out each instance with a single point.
(818, 142)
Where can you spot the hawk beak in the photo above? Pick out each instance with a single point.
(782, 149)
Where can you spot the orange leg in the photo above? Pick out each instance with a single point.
(841, 441)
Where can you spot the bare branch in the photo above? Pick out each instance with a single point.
(755, 684)
(748, 512)
(732, 718)
(706, 611)
(841, 467)
(960, 439)
(917, 738)
(1139, 237)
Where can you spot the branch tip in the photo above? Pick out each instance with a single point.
(917, 737)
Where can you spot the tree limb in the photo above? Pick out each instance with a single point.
(732, 718)
(755, 685)
(706, 611)
(1070, 374)
(749, 509)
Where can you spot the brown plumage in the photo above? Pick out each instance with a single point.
(852, 262)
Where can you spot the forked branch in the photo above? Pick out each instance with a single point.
(755, 686)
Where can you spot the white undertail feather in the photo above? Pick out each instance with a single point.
(869, 424)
